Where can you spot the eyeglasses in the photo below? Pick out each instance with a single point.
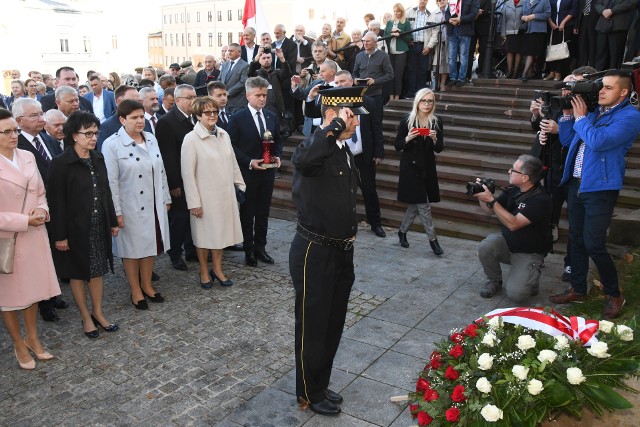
(90, 134)
(427, 101)
(190, 98)
(512, 170)
(211, 113)
(10, 132)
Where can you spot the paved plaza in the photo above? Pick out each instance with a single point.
(224, 356)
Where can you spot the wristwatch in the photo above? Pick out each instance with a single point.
(491, 203)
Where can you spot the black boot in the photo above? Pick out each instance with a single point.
(435, 246)
(403, 239)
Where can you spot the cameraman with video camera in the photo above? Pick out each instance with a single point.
(594, 172)
(524, 209)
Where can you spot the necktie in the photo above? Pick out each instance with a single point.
(259, 116)
(587, 7)
(354, 137)
(153, 124)
(40, 148)
(223, 117)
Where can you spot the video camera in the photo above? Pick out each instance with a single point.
(587, 89)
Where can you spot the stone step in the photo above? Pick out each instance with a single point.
(399, 108)
(393, 118)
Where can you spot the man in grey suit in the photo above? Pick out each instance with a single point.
(233, 75)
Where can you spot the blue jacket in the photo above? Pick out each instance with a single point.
(109, 102)
(468, 16)
(567, 7)
(542, 10)
(607, 139)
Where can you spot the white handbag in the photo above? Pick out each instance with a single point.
(556, 52)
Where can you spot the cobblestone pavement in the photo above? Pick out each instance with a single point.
(224, 356)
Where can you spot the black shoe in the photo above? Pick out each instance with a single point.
(403, 239)
(214, 277)
(91, 334)
(111, 328)
(524, 78)
(460, 83)
(58, 303)
(154, 277)
(251, 260)
(325, 408)
(141, 305)
(333, 397)
(155, 298)
(263, 256)
(435, 246)
(206, 285)
(191, 258)
(378, 231)
(450, 83)
(239, 247)
(47, 312)
(179, 264)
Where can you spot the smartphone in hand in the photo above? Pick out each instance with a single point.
(422, 131)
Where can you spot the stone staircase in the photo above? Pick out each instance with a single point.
(486, 127)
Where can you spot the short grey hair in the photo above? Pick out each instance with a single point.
(145, 90)
(64, 90)
(330, 64)
(532, 167)
(255, 83)
(20, 104)
(53, 114)
(181, 88)
(375, 24)
(250, 30)
(344, 73)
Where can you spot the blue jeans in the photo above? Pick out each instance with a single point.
(589, 218)
(458, 45)
(418, 66)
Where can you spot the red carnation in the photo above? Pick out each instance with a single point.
(435, 360)
(456, 337)
(471, 330)
(431, 395)
(458, 394)
(414, 409)
(422, 385)
(424, 419)
(451, 373)
(452, 414)
(457, 351)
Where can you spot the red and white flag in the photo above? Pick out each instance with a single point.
(254, 17)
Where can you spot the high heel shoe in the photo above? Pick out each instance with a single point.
(29, 366)
(140, 305)
(111, 328)
(91, 334)
(227, 282)
(41, 356)
(155, 298)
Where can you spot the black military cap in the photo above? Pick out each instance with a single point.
(174, 65)
(350, 97)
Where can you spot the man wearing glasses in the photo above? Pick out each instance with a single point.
(524, 210)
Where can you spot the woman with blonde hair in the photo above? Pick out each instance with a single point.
(420, 135)
(398, 47)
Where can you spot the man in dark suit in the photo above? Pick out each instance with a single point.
(309, 95)
(246, 129)
(29, 116)
(112, 124)
(218, 91)
(65, 76)
(102, 100)
(171, 130)
(55, 120)
(208, 74)
(290, 52)
(250, 49)
(303, 46)
(234, 74)
(167, 102)
(585, 23)
(367, 146)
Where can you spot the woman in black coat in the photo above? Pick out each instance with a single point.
(83, 218)
(420, 135)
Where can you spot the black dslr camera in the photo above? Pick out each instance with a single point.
(476, 187)
(588, 89)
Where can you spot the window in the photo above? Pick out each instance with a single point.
(171, 39)
(177, 40)
(311, 14)
(182, 36)
(229, 15)
(164, 18)
(198, 40)
(239, 36)
(170, 17)
(188, 17)
(86, 44)
(211, 39)
(166, 60)
(188, 39)
(219, 39)
(197, 16)
(239, 14)
(229, 38)
(171, 58)
(210, 16)
(182, 17)
(114, 42)
(175, 18)
(166, 40)
(64, 45)
(219, 15)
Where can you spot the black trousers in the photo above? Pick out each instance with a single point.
(254, 212)
(610, 52)
(587, 37)
(481, 40)
(180, 233)
(322, 278)
(368, 187)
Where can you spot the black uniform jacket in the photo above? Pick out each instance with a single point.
(324, 185)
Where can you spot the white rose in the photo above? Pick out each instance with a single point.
(495, 322)
(534, 387)
(599, 350)
(489, 339)
(525, 342)
(491, 413)
(485, 361)
(561, 342)
(520, 372)
(547, 356)
(605, 326)
(574, 376)
(625, 332)
(483, 385)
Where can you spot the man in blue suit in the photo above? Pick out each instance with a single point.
(246, 129)
(112, 124)
(102, 100)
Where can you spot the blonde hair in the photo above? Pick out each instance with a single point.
(401, 7)
(413, 121)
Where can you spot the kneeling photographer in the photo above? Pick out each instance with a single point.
(524, 209)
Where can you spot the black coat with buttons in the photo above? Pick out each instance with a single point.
(418, 181)
(70, 197)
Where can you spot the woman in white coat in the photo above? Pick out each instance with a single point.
(141, 198)
(211, 175)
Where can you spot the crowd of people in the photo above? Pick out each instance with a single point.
(122, 166)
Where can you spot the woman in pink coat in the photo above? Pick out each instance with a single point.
(33, 278)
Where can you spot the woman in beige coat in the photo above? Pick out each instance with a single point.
(211, 175)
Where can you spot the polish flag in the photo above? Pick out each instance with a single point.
(254, 17)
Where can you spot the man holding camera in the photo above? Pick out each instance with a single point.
(594, 173)
(524, 209)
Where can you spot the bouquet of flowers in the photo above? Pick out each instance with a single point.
(520, 366)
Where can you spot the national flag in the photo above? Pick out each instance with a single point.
(254, 17)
